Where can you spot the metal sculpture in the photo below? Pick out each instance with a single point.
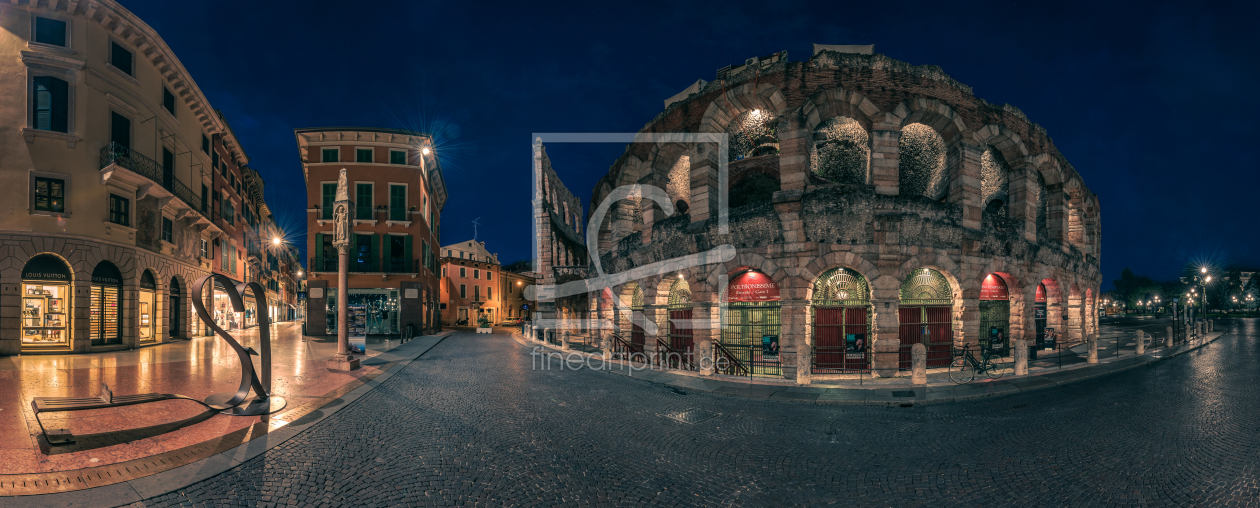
(230, 403)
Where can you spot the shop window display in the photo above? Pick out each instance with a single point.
(381, 307)
(45, 303)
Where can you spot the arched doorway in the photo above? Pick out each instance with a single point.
(106, 318)
(995, 315)
(842, 307)
(926, 316)
(46, 293)
(147, 308)
(1039, 315)
(680, 333)
(750, 325)
(176, 323)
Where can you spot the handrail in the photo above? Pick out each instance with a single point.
(627, 345)
(670, 350)
(731, 358)
(124, 156)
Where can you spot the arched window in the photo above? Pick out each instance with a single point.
(679, 185)
(680, 331)
(995, 315)
(841, 151)
(921, 162)
(842, 308)
(994, 183)
(752, 133)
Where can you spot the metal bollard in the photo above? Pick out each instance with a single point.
(1021, 357)
(1093, 351)
(1141, 343)
(918, 364)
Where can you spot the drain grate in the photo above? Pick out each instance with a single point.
(691, 415)
(903, 393)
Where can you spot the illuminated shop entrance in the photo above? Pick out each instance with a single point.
(926, 317)
(147, 308)
(842, 309)
(381, 305)
(105, 318)
(750, 327)
(45, 303)
(995, 316)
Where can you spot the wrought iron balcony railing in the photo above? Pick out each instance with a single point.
(329, 264)
(129, 159)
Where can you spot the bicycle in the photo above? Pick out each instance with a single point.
(964, 367)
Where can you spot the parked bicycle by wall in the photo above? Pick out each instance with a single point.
(965, 366)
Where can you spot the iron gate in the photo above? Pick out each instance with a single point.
(744, 324)
(841, 343)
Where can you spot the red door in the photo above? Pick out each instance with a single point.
(940, 339)
(828, 339)
(910, 332)
(680, 337)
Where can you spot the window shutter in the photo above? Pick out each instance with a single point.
(407, 254)
(373, 254)
(387, 251)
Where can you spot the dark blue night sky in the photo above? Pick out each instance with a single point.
(1153, 103)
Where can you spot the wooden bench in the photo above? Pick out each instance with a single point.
(106, 400)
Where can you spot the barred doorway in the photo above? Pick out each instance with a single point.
(842, 307)
(995, 316)
(1039, 315)
(926, 317)
(680, 330)
(750, 327)
(636, 323)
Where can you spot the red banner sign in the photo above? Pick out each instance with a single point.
(1041, 293)
(993, 288)
(752, 287)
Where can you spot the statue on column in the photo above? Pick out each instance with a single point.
(343, 218)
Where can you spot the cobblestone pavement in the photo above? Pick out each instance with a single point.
(472, 424)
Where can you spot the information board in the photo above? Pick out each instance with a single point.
(358, 328)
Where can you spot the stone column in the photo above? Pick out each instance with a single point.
(653, 313)
(1021, 357)
(11, 316)
(707, 329)
(884, 159)
(1141, 343)
(918, 364)
(964, 183)
(564, 340)
(1023, 185)
(794, 348)
(704, 183)
(343, 219)
(1093, 352)
(1168, 341)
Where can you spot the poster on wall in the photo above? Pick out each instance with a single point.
(996, 341)
(1050, 338)
(854, 343)
(770, 347)
(358, 328)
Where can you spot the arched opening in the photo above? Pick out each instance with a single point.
(680, 330)
(46, 296)
(921, 162)
(842, 315)
(994, 183)
(632, 297)
(926, 316)
(841, 151)
(750, 325)
(176, 309)
(105, 315)
(751, 134)
(995, 315)
(679, 185)
(1039, 316)
(146, 308)
(1052, 334)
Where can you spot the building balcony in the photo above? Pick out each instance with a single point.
(119, 160)
(329, 265)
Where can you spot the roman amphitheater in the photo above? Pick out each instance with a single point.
(872, 205)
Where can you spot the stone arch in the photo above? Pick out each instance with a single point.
(923, 162)
(1074, 192)
(1056, 306)
(744, 97)
(995, 189)
(827, 115)
(840, 151)
(939, 347)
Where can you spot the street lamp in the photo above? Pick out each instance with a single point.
(275, 241)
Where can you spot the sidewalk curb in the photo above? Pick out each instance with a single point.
(172, 480)
(877, 396)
